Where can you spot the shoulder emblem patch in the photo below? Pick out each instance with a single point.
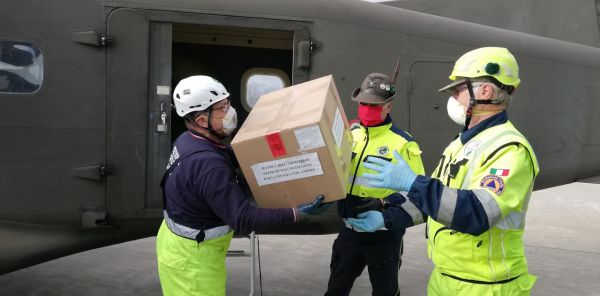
(493, 183)
(383, 150)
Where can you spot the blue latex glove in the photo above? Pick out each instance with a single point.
(368, 221)
(314, 208)
(396, 176)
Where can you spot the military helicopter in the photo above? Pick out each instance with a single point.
(85, 88)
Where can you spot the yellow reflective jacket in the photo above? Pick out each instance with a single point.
(484, 188)
(378, 141)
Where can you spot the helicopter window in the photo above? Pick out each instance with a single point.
(259, 81)
(21, 67)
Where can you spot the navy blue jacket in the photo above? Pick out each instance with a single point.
(202, 190)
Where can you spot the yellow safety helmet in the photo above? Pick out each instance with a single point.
(495, 62)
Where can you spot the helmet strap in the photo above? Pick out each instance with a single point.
(211, 135)
(508, 88)
(472, 102)
(210, 129)
(209, 117)
(193, 121)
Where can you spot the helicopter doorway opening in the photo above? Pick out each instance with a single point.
(227, 54)
(151, 52)
(247, 61)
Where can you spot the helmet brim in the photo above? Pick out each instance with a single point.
(451, 86)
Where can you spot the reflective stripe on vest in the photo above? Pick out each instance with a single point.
(514, 220)
(192, 233)
(448, 205)
(487, 200)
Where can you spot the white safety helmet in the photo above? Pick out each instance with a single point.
(197, 93)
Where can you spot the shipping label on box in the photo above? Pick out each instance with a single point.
(286, 169)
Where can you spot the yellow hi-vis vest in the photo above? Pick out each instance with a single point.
(499, 166)
(380, 141)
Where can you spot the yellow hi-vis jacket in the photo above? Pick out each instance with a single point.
(483, 187)
(377, 141)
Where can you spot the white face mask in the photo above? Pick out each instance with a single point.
(230, 121)
(456, 111)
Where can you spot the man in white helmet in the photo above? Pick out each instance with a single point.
(477, 197)
(205, 201)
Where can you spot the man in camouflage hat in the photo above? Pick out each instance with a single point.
(374, 135)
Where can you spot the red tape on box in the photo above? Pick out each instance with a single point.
(275, 144)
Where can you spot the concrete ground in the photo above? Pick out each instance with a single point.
(562, 246)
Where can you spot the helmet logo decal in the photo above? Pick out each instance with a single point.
(186, 91)
(382, 151)
(492, 68)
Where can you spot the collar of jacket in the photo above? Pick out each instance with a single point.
(497, 119)
(377, 129)
(210, 138)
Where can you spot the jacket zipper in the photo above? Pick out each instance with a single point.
(360, 159)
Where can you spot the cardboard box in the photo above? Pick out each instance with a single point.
(296, 144)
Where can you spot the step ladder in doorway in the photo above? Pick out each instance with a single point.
(251, 254)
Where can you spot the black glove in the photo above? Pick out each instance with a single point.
(314, 208)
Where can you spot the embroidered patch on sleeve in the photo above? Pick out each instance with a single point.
(493, 183)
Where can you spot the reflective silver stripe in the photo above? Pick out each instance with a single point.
(216, 232)
(514, 220)
(447, 206)
(192, 233)
(489, 204)
(413, 211)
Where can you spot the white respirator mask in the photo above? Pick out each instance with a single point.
(230, 121)
(456, 111)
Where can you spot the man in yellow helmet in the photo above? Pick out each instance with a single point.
(477, 197)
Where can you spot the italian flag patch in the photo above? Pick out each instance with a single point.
(499, 172)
